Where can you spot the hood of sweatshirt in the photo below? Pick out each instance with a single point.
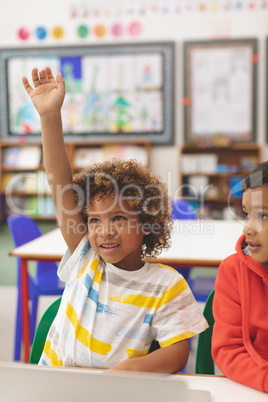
(246, 261)
(258, 268)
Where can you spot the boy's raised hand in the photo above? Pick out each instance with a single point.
(48, 93)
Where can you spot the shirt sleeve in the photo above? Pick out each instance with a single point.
(228, 349)
(178, 315)
(71, 264)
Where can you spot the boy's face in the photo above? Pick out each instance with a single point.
(115, 232)
(255, 207)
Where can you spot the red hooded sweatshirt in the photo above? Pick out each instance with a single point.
(240, 309)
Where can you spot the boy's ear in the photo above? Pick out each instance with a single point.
(146, 228)
(147, 232)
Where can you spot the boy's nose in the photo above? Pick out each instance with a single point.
(250, 228)
(107, 229)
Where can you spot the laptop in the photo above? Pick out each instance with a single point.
(24, 382)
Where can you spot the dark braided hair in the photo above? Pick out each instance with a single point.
(258, 177)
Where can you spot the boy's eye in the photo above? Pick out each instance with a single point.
(119, 218)
(262, 216)
(94, 220)
(245, 214)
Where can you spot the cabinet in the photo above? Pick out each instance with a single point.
(23, 183)
(211, 177)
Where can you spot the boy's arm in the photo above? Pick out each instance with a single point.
(47, 97)
(169, 359)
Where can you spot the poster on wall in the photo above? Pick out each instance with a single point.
(113, 93)
(266, 89)
(220, 88)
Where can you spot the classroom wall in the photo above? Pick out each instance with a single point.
(147, 20)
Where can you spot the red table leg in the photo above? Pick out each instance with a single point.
(25, 310)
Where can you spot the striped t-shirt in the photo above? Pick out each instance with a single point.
(108, 315)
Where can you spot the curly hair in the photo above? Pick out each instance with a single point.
(143, 191)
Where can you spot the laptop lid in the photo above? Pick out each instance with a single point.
(31, 383)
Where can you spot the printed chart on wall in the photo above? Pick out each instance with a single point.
(112, 92)
(220, 90)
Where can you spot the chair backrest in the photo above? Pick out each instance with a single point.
(42, 331)
(182, 209)
(204, 362)
(24, 229)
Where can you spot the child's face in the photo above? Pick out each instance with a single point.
(255, 207)
(115, 232)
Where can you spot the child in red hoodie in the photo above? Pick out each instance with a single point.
(240, 307)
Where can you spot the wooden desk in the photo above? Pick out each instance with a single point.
(194, 243)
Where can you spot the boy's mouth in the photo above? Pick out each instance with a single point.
(253, 246)
(109, 248)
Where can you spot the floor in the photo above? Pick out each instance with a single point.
(8, 299)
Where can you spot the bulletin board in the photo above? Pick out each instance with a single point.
(113, 92)
(220, 91)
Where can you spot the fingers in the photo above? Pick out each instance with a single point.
(49, 75)
(35, 78)
(59, 77)
(44, 76)
(60, 80)
(26, 85)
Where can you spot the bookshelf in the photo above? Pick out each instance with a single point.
(23, 183)
(211, 177)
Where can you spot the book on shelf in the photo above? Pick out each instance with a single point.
(197, 185)
(125, 152)
(42, 183)
(134, 152)
(87, 156)
(189, 164)
(35, 206)
(84, 157)
(12, 182)
(45, 207)
(207, 163)
(29, 157)
(26, 157)
(10, 156)
(28, 182)
(6, 177)
(199, 163)
(36, 182)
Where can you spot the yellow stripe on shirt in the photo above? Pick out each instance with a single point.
(94, 266)
(166, 266)
(82, 270)
(84, 336)
(98, 275)
(150, 301)
(53, 357)
(173, 292)
(136, 353)
(177, 338)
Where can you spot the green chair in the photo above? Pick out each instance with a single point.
(204, 362)
(42, 331)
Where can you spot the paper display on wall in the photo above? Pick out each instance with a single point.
(221, 90)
